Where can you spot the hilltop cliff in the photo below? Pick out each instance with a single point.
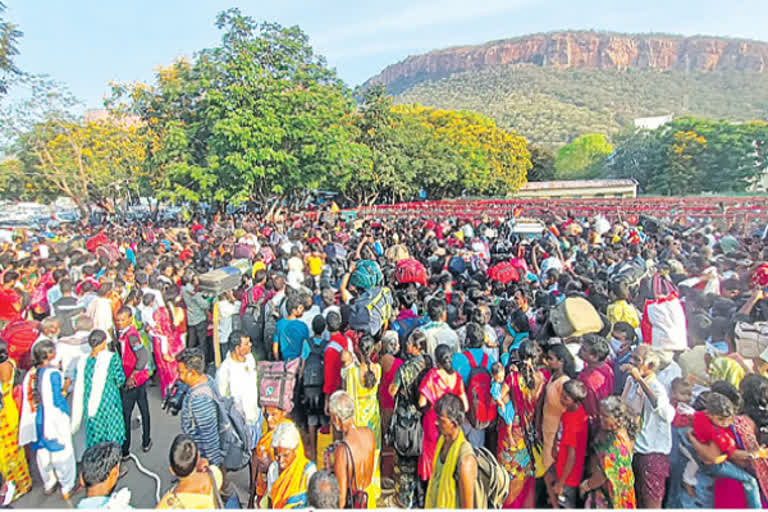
(586, 50)
(554, 87)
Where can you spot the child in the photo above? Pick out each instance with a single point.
(681, 394)
(564, 477)
(714, 425)
(500, 394)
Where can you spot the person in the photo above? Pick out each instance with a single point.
(100, 310)
(453, 481)
(390, 362)
(66, 307)
(597, 375)
(323, 491)
(13, 461)
(500, 395)
(266, 455)
(355, 461)
(199, 414)
(224, 311)
(517, 453)
(135, 361)
(237, 378)
(437, 330)
(623, 338)
(362, 383)
(409, 492)
(438, 381)
(620, 309)
(288, 476)
(648, 399)
(198, 482)
(332, 363)
(44, 424)
(167, 344)
(10, 300)
(313, 399)
(715, 425)
(563, 479)
(562, 369)
(464, 361)
(290, 332)
(197, 314)
(99, 475)
(610, 481)
(96, 400)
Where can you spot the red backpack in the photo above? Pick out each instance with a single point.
(410, 271)
(504, 272)
(482, 409)
(20, 335)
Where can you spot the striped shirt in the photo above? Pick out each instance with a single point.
(199, 420)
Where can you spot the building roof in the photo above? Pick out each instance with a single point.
(570, 184)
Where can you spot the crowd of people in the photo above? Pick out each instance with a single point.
(404, 361)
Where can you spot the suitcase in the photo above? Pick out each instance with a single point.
(574, 317)
(504, 273)
(220, 280)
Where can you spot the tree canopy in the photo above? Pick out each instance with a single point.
(582, 158)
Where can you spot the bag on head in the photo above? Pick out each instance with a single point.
(371, 311)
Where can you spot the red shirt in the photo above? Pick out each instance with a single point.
(7, 299)
(599, 383)
(573, 433)
(706, 431)
(332, 359)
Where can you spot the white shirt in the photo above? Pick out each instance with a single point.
(439, 333)
(240, 382)
(656, 434)
(668, 374)
(69, 351)
(100, 311)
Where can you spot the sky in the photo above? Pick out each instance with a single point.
(85, 44)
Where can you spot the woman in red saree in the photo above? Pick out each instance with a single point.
(439, 381)
(519, 452)
(166, 343)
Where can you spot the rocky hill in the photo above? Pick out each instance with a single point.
(599, 80)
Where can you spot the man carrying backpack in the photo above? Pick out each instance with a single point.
(312, 371)
(199, 413)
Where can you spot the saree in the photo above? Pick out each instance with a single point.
(367, 414)
(434, 388)
(730, 493)
(442, 490)
(13, 462)
(264, 449)
(614, 459)
(518, 452)
(290, 488)
(165, 340)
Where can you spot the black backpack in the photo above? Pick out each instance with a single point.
(313, 366)
(405, 433)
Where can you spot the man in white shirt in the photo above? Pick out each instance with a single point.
(100, 310)
(237, 378)
(71, 349)
(647, 397)
(437, 331)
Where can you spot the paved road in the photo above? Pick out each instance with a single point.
(164, 428)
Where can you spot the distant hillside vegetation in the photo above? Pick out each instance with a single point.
(551, 107)
(553, 87)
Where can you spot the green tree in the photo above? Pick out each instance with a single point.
(258, 116)
(88, 162)
(639, 156)
(9, 38)
(543, 164)
(583, 158)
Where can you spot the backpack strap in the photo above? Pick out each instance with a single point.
(471, 359)
(485, 361)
